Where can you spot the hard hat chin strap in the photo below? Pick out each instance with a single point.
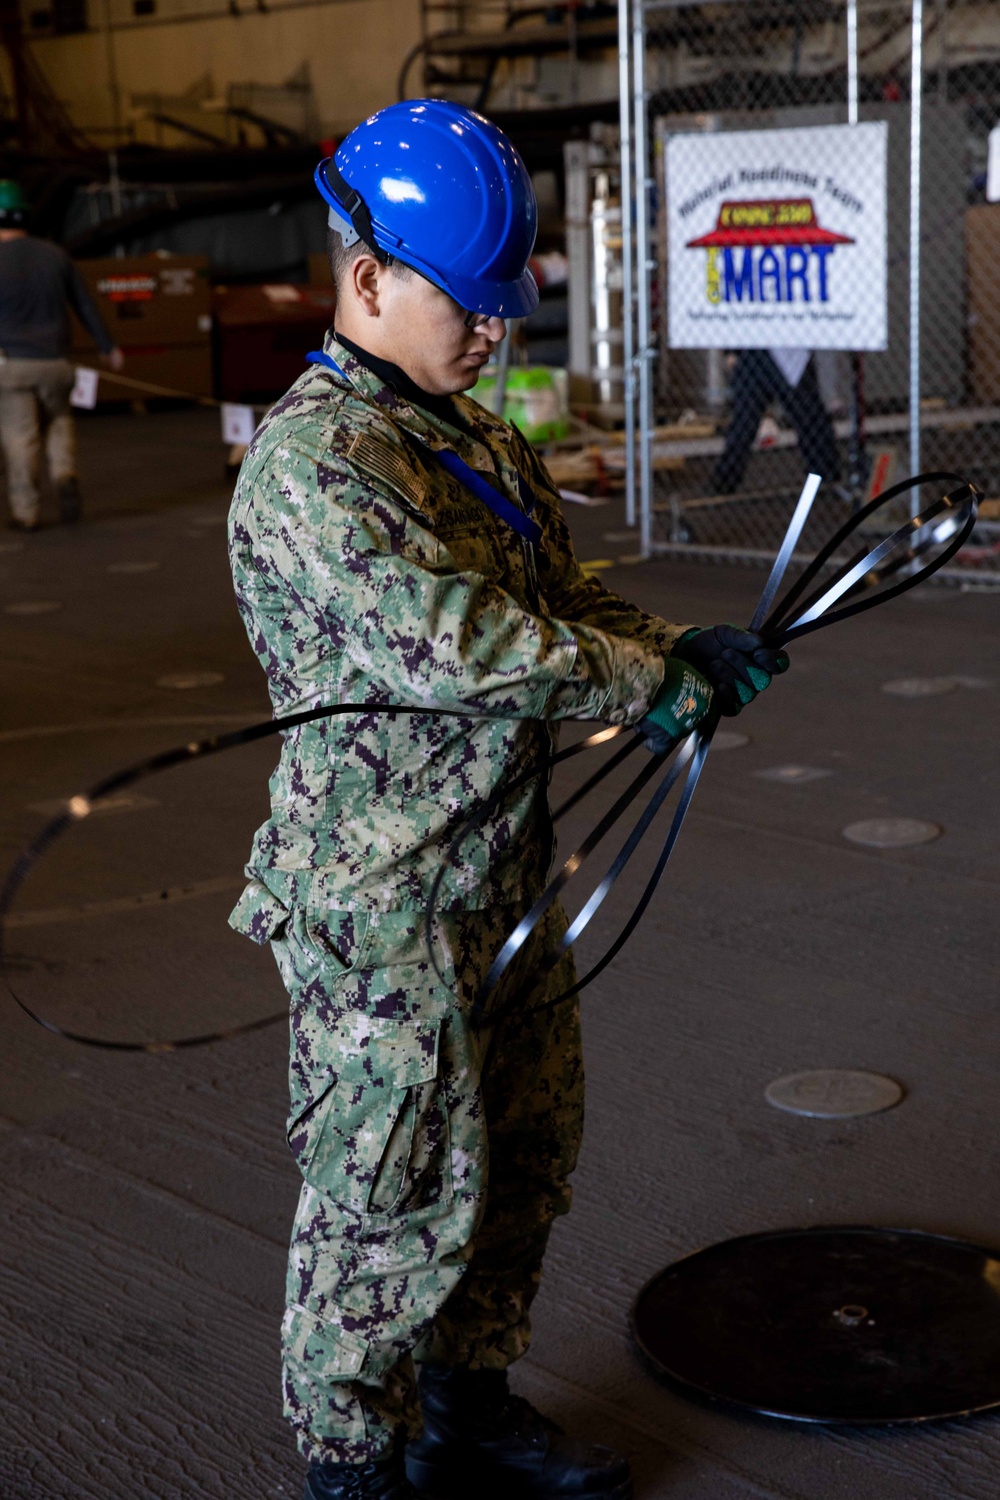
(351, 201)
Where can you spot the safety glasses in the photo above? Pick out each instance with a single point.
(472, 320)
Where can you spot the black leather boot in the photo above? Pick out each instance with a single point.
(479, 1439)
(382, 1479)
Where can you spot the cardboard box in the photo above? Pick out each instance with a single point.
(982, 225)
(183, 370)
(149, 299)
(264, 334)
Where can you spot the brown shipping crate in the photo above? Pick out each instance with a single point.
(982, 226)
(149, 299)
(319, 268)
(183, 370)
(264, 334)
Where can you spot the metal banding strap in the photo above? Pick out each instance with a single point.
(799, 517)
(82, 805)
(510, 789)
(523, 931)
(850, 576)
(528, 923)
(963, 504)
(501, 507)
(852, 524)
(696, 745)
(861, 578)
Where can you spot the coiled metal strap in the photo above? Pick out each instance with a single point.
(866, 580)
(871, 577)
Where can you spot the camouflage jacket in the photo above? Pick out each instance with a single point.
(366, 574)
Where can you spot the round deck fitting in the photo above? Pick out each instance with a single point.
(920, 687)
(32, 607)
(729, 739)
(833, 1093)
(830, 1325)
(793, 775)
(184, 680)
(892, 833)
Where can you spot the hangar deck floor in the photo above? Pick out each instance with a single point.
(146, 1200)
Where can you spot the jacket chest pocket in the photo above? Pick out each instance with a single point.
(377, 1140)
(474, 548)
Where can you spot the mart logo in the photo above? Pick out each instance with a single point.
(768, 250)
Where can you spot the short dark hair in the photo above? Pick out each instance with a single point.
(342, 258)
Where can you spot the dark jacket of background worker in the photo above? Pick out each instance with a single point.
(760, 376)
(39, 284)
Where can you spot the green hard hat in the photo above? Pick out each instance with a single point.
(12, 204)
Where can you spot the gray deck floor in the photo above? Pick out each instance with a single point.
(147, 1199)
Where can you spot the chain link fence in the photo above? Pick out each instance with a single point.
(780, 331)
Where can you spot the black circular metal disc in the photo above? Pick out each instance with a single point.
(847, 1325)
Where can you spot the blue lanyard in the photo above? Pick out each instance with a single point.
(516, 519)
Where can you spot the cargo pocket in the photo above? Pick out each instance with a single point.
(377, 1141)
(340, 940)
(258, 915)
(330, 1350)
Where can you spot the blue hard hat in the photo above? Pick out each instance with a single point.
(440, 188)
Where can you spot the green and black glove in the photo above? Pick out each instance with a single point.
(680, 705)
(736, 663)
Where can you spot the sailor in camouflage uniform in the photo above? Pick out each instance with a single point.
(434, 1154)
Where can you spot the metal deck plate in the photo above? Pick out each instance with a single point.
(184, 680)
(830, 1325)
(729, 739)
(793, 775)
(833, 1093)
(892, 833)
(920, 687)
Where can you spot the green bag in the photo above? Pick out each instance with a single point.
(536, 400)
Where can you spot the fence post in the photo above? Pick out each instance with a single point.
(628, 310)
(643, 289)
(916, 100)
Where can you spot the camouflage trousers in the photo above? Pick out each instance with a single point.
(434, 1159)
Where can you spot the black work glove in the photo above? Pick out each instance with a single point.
(736, 663)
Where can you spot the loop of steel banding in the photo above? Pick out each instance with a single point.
(864, 572)
(82, 805)
(860, 582)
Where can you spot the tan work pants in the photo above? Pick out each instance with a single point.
(34, 397)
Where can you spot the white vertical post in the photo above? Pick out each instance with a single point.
(503, 369)
(856, 460)
(628, 293)
(643, 298)
(916, 100)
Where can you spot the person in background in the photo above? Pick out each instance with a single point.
(39, 284)
(760, 376)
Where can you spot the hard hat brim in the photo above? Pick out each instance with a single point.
(500, 299)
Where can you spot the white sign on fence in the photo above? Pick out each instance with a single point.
(239, 423)
(993, 165)
(777, 238)
(84, 392)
